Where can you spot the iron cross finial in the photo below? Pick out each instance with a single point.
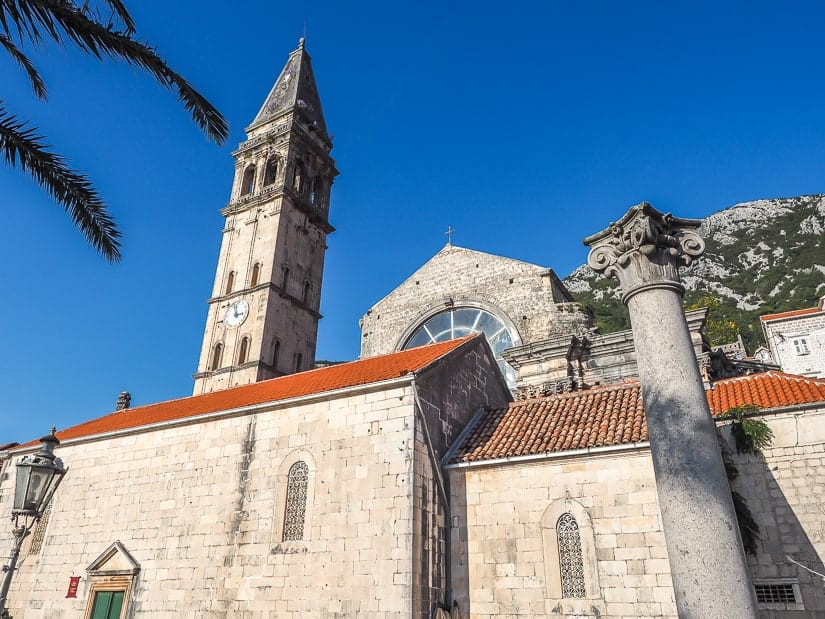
(449, 234)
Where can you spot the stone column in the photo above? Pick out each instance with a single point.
(644, 251)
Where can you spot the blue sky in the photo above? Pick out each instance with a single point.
(525, 126)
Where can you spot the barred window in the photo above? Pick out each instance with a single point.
(570, 557)
(296, 501)
(775, 593)
(39, 532)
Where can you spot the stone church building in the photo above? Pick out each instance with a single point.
(486, 456)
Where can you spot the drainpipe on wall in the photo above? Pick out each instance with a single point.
(435, 463)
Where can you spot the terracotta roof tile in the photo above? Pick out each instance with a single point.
(595, 417)
(791, 314)
(610, 416)
(361, 372)
(765, 390)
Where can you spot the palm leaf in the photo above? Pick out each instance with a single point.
(36, 17)
(22, 146)
(38, 85)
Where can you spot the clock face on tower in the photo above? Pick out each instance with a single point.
(236, 314)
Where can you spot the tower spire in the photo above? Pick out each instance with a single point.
(295, 90)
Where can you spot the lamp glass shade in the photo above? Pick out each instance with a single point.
(35, 478)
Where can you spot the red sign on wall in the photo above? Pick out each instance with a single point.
(73, 582)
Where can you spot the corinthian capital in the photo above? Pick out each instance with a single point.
(645, 249)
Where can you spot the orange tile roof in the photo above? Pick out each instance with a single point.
(611, 416)
(766, 390)
(791, 314)
(595, 417)
(361, 372)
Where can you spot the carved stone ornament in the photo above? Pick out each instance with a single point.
(645, 249)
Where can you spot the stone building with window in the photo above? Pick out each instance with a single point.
(410, 482)
(797, 339)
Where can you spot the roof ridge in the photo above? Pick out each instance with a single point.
(774, 373)
(356, 373)
(569, 394)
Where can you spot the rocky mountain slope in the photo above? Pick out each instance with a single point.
(761, 257)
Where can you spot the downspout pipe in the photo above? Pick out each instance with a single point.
(435, 464)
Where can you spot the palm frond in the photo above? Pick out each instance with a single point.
(22, 146)
(52, 16)
(122, 12)
(38, 85)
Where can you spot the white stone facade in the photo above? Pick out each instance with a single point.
(504, 563)
(199, 505)
(504, 517)
(797, 341)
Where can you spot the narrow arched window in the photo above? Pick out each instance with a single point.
(571, 563)
(299, 360)
(271, 170)
(299, 178)
(243, 351)
(276, 352)
(230, 282)
(296, 501)
(256, 274)
(285, 279)
(248, 182)
(315, 194)
(217, 356)
(305, 293)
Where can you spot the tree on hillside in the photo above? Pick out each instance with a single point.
(101, 29)
(719, 329)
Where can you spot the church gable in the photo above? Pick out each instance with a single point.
(523, 297)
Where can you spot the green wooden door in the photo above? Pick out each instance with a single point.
(107, 605)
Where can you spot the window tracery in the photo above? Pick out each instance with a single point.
(571, 563)
(296, 501)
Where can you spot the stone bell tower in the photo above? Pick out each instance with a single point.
(263, 313)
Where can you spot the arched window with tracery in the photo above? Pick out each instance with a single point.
(296, 501)
(230, 282)
(248, 182)
(243, 351)
(571, 563)
(256, 274)
(271, 170)
(217, 356)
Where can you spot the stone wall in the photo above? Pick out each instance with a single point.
(448, 398)
(200, 507)
(503, 519)
(786, 494)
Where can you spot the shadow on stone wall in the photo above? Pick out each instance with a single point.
(784, 492)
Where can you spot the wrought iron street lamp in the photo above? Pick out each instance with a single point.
(38, 476)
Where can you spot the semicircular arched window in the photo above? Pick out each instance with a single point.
(462, 321)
